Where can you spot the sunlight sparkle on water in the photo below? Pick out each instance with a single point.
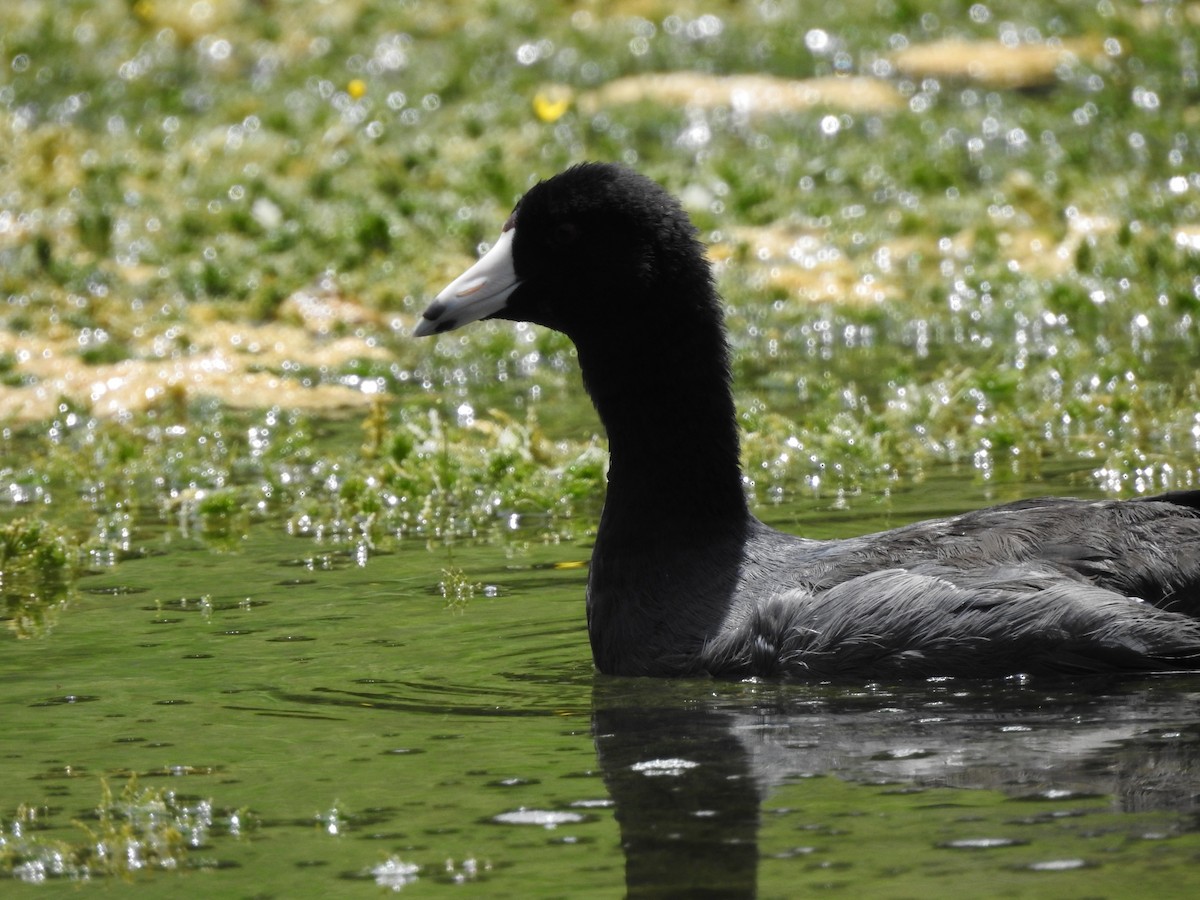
(656, 767)
(546, 818)
(394, 873)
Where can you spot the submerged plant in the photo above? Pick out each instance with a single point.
(140, 829)
(38, 563)
(457, 589)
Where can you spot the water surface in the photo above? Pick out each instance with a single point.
(320, 718)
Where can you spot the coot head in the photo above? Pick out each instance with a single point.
(593, 249)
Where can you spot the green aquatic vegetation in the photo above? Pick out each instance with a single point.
(7, 366)
(457, 588)
(32, 543)
(1020, 252)
(38, 564)
(453, 481)
(417, 475)
(136, 831)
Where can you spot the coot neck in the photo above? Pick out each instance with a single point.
(666, 403)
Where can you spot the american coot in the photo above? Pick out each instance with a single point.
(685, 580)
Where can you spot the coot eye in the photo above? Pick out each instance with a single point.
(563, 235)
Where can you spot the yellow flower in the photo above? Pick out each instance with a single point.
(551, 102)
(357, 88)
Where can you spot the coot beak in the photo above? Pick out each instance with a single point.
(477, 293)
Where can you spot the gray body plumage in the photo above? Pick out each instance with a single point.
(1049, 585)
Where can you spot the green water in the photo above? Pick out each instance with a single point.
(325, 712)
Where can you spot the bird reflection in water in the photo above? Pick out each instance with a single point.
(688, 769)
